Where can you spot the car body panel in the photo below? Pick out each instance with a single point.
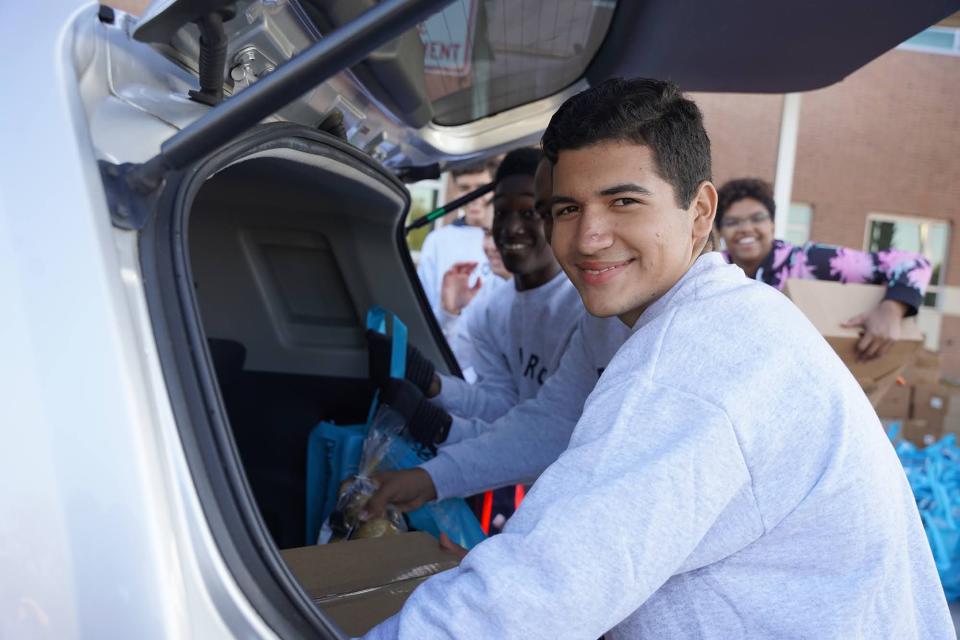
(103, 534)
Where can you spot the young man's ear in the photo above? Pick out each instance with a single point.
(704, 208)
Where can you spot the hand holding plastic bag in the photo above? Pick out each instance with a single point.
(345, 522)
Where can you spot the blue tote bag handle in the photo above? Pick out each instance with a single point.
(377, 321)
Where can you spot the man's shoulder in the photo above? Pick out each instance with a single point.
(742, 330)
(744, 311)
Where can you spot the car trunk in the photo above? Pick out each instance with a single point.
(259, 264)
(287, 247)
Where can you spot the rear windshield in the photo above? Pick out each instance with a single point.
(486, 56)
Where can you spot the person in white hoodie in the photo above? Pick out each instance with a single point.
(521, 331)
(459, 241)
(727, 477)
(518, 333)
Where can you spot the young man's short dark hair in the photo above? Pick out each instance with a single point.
(653, 113)
(473, 167)
(522, 161)
(740, 188)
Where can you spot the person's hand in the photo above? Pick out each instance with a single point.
(419, 370)
(449, 545)
(426, 423)
(455, 290)
(881, 328)
(407, 490)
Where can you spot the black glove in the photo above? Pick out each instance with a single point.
(419, 369)
(427, 423)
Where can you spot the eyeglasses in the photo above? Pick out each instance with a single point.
(733, 223)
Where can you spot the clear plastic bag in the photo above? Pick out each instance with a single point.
(344, 523)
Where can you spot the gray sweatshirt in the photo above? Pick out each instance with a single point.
(518, 338)
(727, 479)
(516, 448)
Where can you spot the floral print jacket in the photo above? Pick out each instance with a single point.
(906, 274)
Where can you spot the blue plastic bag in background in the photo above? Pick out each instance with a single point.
(934, 475)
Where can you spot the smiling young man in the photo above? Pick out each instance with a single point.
(521, 331)
(517, 334)
(704, 492)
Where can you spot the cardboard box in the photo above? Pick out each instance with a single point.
(895, 404)
(919, 432)
(363, 582)
(829, 304)
(877, 390)
(930, 403)
(925, 368)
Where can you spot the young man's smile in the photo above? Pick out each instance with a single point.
(596, 272)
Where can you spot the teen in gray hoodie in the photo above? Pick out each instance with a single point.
(727, 478)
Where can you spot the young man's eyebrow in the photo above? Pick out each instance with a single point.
(560, 199)
(628, 187)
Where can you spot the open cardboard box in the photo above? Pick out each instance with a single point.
(361, 583)
(896, 403)
(829, 304)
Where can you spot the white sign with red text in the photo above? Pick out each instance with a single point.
(448, 39)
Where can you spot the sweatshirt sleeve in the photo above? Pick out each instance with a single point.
(648, 473)
(495, 391)
(459, 338)
(449, 324)
(517, 447)
(905, 274)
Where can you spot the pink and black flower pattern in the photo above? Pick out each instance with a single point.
(905, 274)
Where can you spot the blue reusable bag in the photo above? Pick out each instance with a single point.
(934, 475)
(333, 454)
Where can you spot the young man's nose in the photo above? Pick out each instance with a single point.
(593, 233)
(510, 224)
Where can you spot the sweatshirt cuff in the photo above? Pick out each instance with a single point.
(451, 393)
(446, 476)
(460, 430)
(907, 295)
(448, 322)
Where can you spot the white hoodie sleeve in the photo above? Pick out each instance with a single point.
(517, 447)
(648, 473)
(495, 391)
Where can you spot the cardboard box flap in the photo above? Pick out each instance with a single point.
(872, 370)
(361, 583)
(829, 304)
(347, 567)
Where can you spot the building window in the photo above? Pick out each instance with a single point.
(798, 223)
(942, 40)
(921, 235)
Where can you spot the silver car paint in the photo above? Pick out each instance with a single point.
(101, 531)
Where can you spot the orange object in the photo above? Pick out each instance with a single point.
(487, 512)
(518, 496)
